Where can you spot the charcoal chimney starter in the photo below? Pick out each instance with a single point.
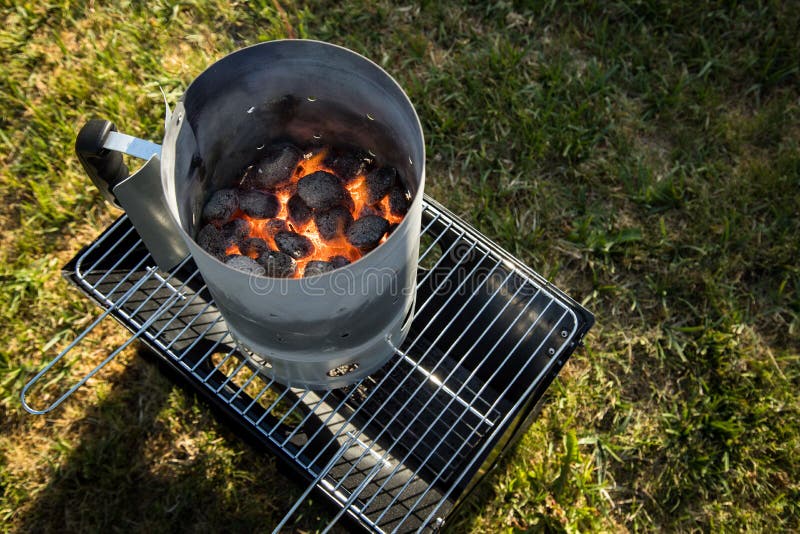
(332, 329)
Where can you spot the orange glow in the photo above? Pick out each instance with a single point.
(324, 250)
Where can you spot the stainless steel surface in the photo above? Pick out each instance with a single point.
(141, 197)
(392, 449)
(132, 146)
(331, 330)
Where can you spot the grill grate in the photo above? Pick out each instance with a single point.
(394, 451)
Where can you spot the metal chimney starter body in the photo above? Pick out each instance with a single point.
(330, 330)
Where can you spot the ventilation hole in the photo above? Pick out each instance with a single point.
(370, 117)
(343, 370)
(311, 98)
(252, 109)
(346, 334)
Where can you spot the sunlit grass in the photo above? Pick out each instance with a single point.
(644, 156)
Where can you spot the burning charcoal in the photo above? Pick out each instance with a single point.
(321, 190)
(221, 207)
(258, 204)
(295, 245)
(338, 261)
(316, 267)
(399, 201)
(273, 226)
(379, 183)
(299, 212)
(236, 230)
(277, 264)
(244, 264)
(253, 247)
(348, 202)
(275, 169)
(366, 233)
(347, 165)
(377, 209)
(212, 240)
(332, 222)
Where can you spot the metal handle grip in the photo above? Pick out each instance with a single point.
(122, 300)
(105, 167)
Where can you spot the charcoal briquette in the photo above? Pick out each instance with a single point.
(211, 239)
(375, 209)
(299, 212)
(379, 183)
(273, 226)
(339, 261)
(366, 233)
(332, 222)
(259, 204)
(295, 245)
(275, 168)
(221, 207)
(253, 247)
(244, 264)
(277, 264)
(399, 201)
(236, 230)
(316, 267)
(347, 164)
(321, 190)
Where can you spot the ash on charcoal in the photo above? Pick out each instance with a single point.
(244, 264)
(236, 231)
(339, 261)
(212, 240)
(221, 207)
(299, 212)
(321, 190)
(277, 264)
(332, 222)
(253, 247)
(399, 201)
(273, 226)
(347, 164)
(295, 245)
(366, 233)
(316, 267)
(258, 204)
(275, 168)
(379, 183)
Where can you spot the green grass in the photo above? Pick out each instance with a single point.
(645, 156)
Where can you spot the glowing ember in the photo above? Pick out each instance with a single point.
(274, 220)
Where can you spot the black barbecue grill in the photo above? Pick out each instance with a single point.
(398, 450)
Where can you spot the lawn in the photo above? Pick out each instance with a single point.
(643, 156)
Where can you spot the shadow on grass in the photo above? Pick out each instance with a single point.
(147, 458)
